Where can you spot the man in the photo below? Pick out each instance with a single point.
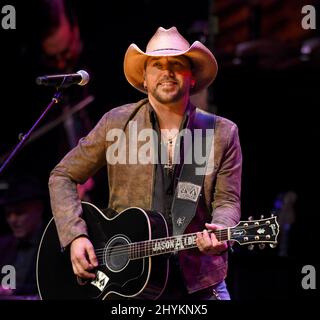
(61, 43)
(168, 72)
(62, 51)
(23, 200)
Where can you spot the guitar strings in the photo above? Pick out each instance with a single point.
(223, 232)
(135, 250)
(147, 245)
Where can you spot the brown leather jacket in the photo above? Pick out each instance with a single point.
(132, 185)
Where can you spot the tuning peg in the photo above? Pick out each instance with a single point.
(262, 216)
(272, 245)
(273, 213)
(250, 247)
(262, 246)
(250, 218)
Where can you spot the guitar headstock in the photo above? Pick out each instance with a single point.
(256, 231)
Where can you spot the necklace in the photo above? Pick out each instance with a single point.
(168, 139)
(170, 148)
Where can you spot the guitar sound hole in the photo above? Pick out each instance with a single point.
(117, 254)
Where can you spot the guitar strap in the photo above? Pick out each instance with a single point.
(195, 164)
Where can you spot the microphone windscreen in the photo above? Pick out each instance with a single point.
(85, 77)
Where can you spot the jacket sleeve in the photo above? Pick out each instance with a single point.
(76, 167)
(226, 200)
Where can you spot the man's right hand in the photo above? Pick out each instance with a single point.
(83, 258)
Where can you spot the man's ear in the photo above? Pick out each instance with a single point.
(144, 82)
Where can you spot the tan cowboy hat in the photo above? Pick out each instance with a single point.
(169, 42)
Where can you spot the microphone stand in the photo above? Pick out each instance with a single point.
(24, 137)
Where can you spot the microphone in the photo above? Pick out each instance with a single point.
(64, 80)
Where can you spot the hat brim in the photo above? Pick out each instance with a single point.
(21, 198)
(204, 70)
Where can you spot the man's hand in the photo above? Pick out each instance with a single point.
(83, 258)
(208, 243)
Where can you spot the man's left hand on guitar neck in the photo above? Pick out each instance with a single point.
(208, 243)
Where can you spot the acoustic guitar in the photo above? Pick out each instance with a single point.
(132, 250)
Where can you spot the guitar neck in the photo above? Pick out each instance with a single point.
(138, 250)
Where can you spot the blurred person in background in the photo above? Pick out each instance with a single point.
(24, 202)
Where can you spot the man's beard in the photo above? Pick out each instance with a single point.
(167, 97)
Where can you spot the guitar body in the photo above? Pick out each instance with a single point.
(119, 275)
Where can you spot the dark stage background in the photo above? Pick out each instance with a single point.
(265, 86)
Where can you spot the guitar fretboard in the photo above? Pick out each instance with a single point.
(138, 250)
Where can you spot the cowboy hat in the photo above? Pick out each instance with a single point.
(169, 42)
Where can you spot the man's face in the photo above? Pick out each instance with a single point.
(61, 49)
(168, 79)
(24, 218)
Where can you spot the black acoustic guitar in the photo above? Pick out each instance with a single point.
(132, 250)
